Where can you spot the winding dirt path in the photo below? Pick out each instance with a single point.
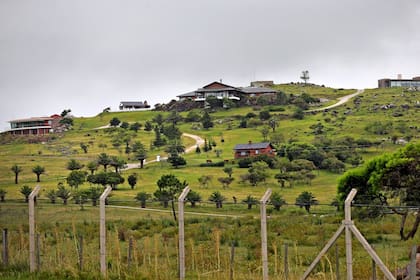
(198, 142)
(341, 101)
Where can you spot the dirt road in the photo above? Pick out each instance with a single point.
(198, 141)
(341, 101)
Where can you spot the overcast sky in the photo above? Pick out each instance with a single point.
(87, 55)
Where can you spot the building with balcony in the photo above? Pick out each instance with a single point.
(35, 125)
(221, 91)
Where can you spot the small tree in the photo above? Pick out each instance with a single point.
(84, 147)
(52, 196)
(16, 169)
(73, 164)
(92, 166)
(94, 193)
(26, 191)
(140, 152)
(124, 125)
(258, 172)
(2, 195)
(114, 122)
(135, 126)
(159, 140)
(250, 200)
(273, 124)
(193, 197)
(306, 199)
(277, 200)
(118, 163)
(80, 197)
(176, 160)
(132, 180)
(206, 121)
(158, 119)
(228, 170)
(226, 181)
(63, 193)
(217, 198)
(142, 197)
(264, 115)
(148, 126)
(76, 178)
(38, 170)
(168, 187)
(264, 132)
(104, 160)
(205, 180)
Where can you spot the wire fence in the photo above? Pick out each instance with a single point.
(221, 243)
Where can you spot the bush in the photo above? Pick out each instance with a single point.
(247, 162)
(213, 164)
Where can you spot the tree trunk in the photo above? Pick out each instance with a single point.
(143, 204)
(141, 163)
(16, 178)
(413, 228)
(192, 204)
(37, 177)
(249, 205)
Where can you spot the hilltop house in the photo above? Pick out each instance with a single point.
(253, 149)
(399, 82)
(35, 125)
(133, 105)
(220, 91)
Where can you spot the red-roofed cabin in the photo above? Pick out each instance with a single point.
(254, 149)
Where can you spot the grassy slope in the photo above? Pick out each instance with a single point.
(53, 156)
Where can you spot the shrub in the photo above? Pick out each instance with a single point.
(213, 164)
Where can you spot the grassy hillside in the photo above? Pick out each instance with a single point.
(351, 119)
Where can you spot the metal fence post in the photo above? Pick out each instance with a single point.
(181, 201)
(348, 222)
(32, 261)
(102, 229)
(264, 254)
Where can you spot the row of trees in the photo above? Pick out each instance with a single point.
(168, 188)
(17, 169)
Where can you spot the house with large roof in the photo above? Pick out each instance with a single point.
(133, 105)
(254, 149)
(221, 91)
(35, 125)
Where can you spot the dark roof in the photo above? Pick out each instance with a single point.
(188, 94)
(258, 90)
(252, 146)
(132, 103)
(33, 119)
(218, 89)
(220, 84)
